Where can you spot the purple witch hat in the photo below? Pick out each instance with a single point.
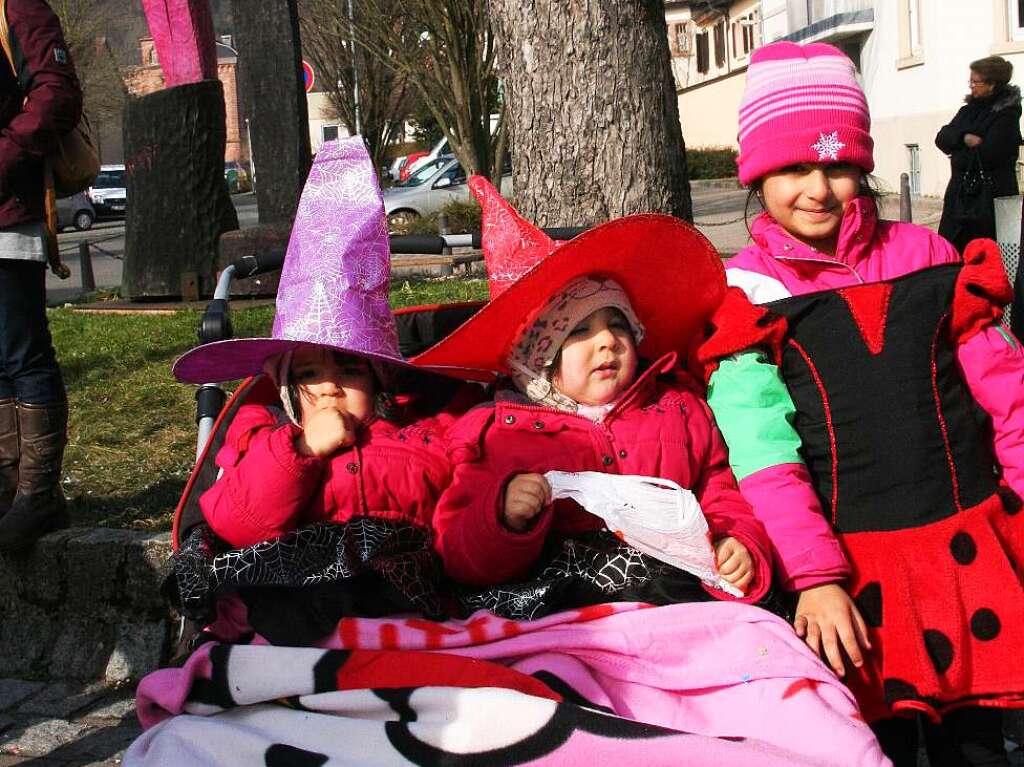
(334, 284)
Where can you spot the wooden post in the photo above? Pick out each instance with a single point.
(85, 267)
(270, 70)
(906, 211)
(182, 32)
(174, 143)
(179, 203)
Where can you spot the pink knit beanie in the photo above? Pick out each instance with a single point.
(802, 103)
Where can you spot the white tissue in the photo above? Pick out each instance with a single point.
(655, 516)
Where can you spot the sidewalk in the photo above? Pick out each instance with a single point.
(61, 724)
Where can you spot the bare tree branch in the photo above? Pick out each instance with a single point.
(385, 97)
(443, 49)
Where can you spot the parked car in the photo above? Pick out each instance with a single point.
(107, 194)
(237, 177)
(75, 211)
(429, 188)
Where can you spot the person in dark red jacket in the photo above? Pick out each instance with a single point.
(569, 330)
(39, 102)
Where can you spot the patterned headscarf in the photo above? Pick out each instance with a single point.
(531, 360)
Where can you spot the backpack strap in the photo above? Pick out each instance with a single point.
(5, 38)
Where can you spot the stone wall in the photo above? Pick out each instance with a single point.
(85, 604)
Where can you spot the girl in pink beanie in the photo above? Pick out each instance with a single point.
(881, 442)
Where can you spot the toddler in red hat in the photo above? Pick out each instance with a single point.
(884, 452)
(589, 335)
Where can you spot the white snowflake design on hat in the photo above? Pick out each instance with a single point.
(828, 146)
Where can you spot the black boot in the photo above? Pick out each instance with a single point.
(39, 506)
(9, 453)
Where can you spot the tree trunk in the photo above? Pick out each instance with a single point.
(267, 34)
(594, 123)
(178, 201)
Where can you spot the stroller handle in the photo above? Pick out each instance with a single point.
(404, 244)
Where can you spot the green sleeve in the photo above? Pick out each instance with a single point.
(754, 412)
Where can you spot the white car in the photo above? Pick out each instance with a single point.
(107, 193)
(430, 188)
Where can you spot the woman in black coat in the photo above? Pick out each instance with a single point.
(987, 128)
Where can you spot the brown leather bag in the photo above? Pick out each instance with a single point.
(69, 170)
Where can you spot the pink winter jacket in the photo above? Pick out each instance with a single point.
(659, 428)
(268, 488)
(777, 266)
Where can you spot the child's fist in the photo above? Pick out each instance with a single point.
(325, 431)
(525, 497)
(734, 563)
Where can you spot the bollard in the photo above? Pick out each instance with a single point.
(85, 266)
(442, 229)
(906, 213)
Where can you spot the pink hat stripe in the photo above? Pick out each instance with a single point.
(761, 81)
(801, 104)
(787, 106)
(798, 124)
(823, 93)
(766, 109)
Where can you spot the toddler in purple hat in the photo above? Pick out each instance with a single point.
(335, 444)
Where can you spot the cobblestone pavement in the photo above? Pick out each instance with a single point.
(62, 724)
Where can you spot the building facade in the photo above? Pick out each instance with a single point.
(710, 44)
(912, 56)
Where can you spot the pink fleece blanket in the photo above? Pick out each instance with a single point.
(709, 683)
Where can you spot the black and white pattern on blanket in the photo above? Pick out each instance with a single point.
(315, 723)
(399, 555)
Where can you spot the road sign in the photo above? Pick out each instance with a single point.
(307, 76)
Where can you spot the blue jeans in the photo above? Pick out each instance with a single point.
(28, 363)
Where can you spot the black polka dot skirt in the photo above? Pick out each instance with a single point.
(945, 608)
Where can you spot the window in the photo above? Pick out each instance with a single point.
(329, 132)
(680, 40)
(455, 174)
(1016, 9)
(720, 44)
(703, 57)
(914, 158)
(748, 34)
(914, 22)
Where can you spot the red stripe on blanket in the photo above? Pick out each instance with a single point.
(400, 669)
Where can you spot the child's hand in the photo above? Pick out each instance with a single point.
(734, 563)
(325, 431)
(525, 497)
(826, 616)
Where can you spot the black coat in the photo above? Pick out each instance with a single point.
(996, 119)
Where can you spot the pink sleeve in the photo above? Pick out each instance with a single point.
(806, 550)
(728, 513)
(266, 483)
(992, 364)
(468, 535)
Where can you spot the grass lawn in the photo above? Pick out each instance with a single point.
(132, 432)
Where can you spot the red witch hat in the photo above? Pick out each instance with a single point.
(673, 276)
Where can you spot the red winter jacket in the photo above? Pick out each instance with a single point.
(661, 427)
(38, 106)
(268, 488)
